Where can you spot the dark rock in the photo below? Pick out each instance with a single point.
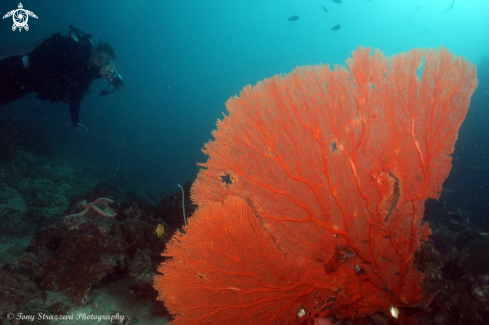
(474, 259)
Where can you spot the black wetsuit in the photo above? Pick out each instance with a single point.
(59, 71)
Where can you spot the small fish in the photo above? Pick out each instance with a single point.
(451, 7)
(483, 233)
(454, 221)
(293, 18)
(324, 9)
(336, 27)
(394, 311)
(336, 1)
(160, 230)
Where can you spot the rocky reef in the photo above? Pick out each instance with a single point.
(56, 261)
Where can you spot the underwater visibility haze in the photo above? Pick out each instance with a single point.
(244, 162)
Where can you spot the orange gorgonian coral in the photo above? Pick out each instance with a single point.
(330, 173)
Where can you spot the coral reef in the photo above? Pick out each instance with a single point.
(461, 297)
(474, 257)
(336, 166)
(78, 256)
(33, 188)
(54, 258)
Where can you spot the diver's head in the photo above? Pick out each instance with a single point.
(102, 55)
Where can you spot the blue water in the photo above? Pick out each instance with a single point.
(181, 61)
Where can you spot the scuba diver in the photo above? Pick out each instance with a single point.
(60, 69)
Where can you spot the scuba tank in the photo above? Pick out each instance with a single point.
(80, 37)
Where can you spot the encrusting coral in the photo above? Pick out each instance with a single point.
(312, 199)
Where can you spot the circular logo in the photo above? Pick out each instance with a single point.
(20, 18)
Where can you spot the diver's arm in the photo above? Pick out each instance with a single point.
(75, 101)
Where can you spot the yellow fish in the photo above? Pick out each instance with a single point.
(160, 230)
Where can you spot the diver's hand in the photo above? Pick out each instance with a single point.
(107, 69)
(81, 127)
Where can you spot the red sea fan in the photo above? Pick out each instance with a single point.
(336, 167)
(228, 270)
